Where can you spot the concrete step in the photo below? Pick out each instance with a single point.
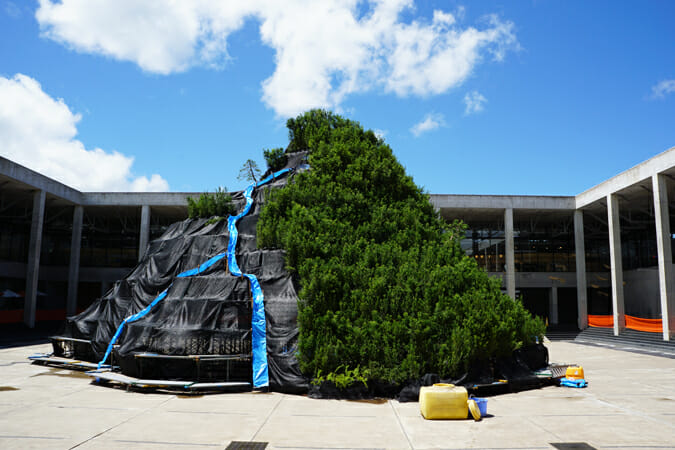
(628, 339)
(561, 335)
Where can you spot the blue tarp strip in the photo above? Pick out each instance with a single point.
(274, 176)
(188, 273)
(258, 322)
(131, 318)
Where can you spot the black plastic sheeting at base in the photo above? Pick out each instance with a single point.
(483, 380)
(511, 386)
(411, 392)
(357, 391)
(202, 315)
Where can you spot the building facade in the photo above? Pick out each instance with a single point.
(60, 248)
(601, 258)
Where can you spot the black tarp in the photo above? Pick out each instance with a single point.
(205, 314)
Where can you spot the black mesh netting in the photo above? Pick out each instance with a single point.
(207, 314)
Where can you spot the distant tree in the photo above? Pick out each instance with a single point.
(218, 203)
(249, 172)
(275, 158)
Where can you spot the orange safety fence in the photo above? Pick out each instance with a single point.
(632, 322)
(600, 321)
(650, 325)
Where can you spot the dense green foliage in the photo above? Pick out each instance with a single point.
(275, 158)
(386, 288)
(218, 203)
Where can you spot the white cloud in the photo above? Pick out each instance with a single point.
(39, 132)
(160, 36)
(325, 50)
(380, 133)
(430, 122)
(474, 102)
(663, 88)
(432, 59)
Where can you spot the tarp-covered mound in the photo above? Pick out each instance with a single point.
(205, 314)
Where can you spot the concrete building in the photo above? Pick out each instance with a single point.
(603, 257)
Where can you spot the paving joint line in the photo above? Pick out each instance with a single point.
(633, 412)
(122, 423)
(529, 419)
(266, 419)
(400, 424)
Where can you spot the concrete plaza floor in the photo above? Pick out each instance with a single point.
(630, 403)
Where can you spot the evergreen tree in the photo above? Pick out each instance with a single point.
(275, 158)
(249, 172)
(385, 286)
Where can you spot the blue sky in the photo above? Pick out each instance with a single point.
(483, 97)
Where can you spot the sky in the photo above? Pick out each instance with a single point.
(535, 97)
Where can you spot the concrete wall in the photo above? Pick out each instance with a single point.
(641, 293)
(501, 202)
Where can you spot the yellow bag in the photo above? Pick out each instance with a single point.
(444, 401)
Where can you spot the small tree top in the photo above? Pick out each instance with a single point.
(249, 171)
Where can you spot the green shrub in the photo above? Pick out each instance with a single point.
(218, 203)
(385, 285)
(342, 377)
(275, 158)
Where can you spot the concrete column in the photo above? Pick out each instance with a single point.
(580, 252)
(665, 254)
(33, 267)
(553, 306)
(615, 261)
(510, 263)
(145, 231)
(74, 267)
